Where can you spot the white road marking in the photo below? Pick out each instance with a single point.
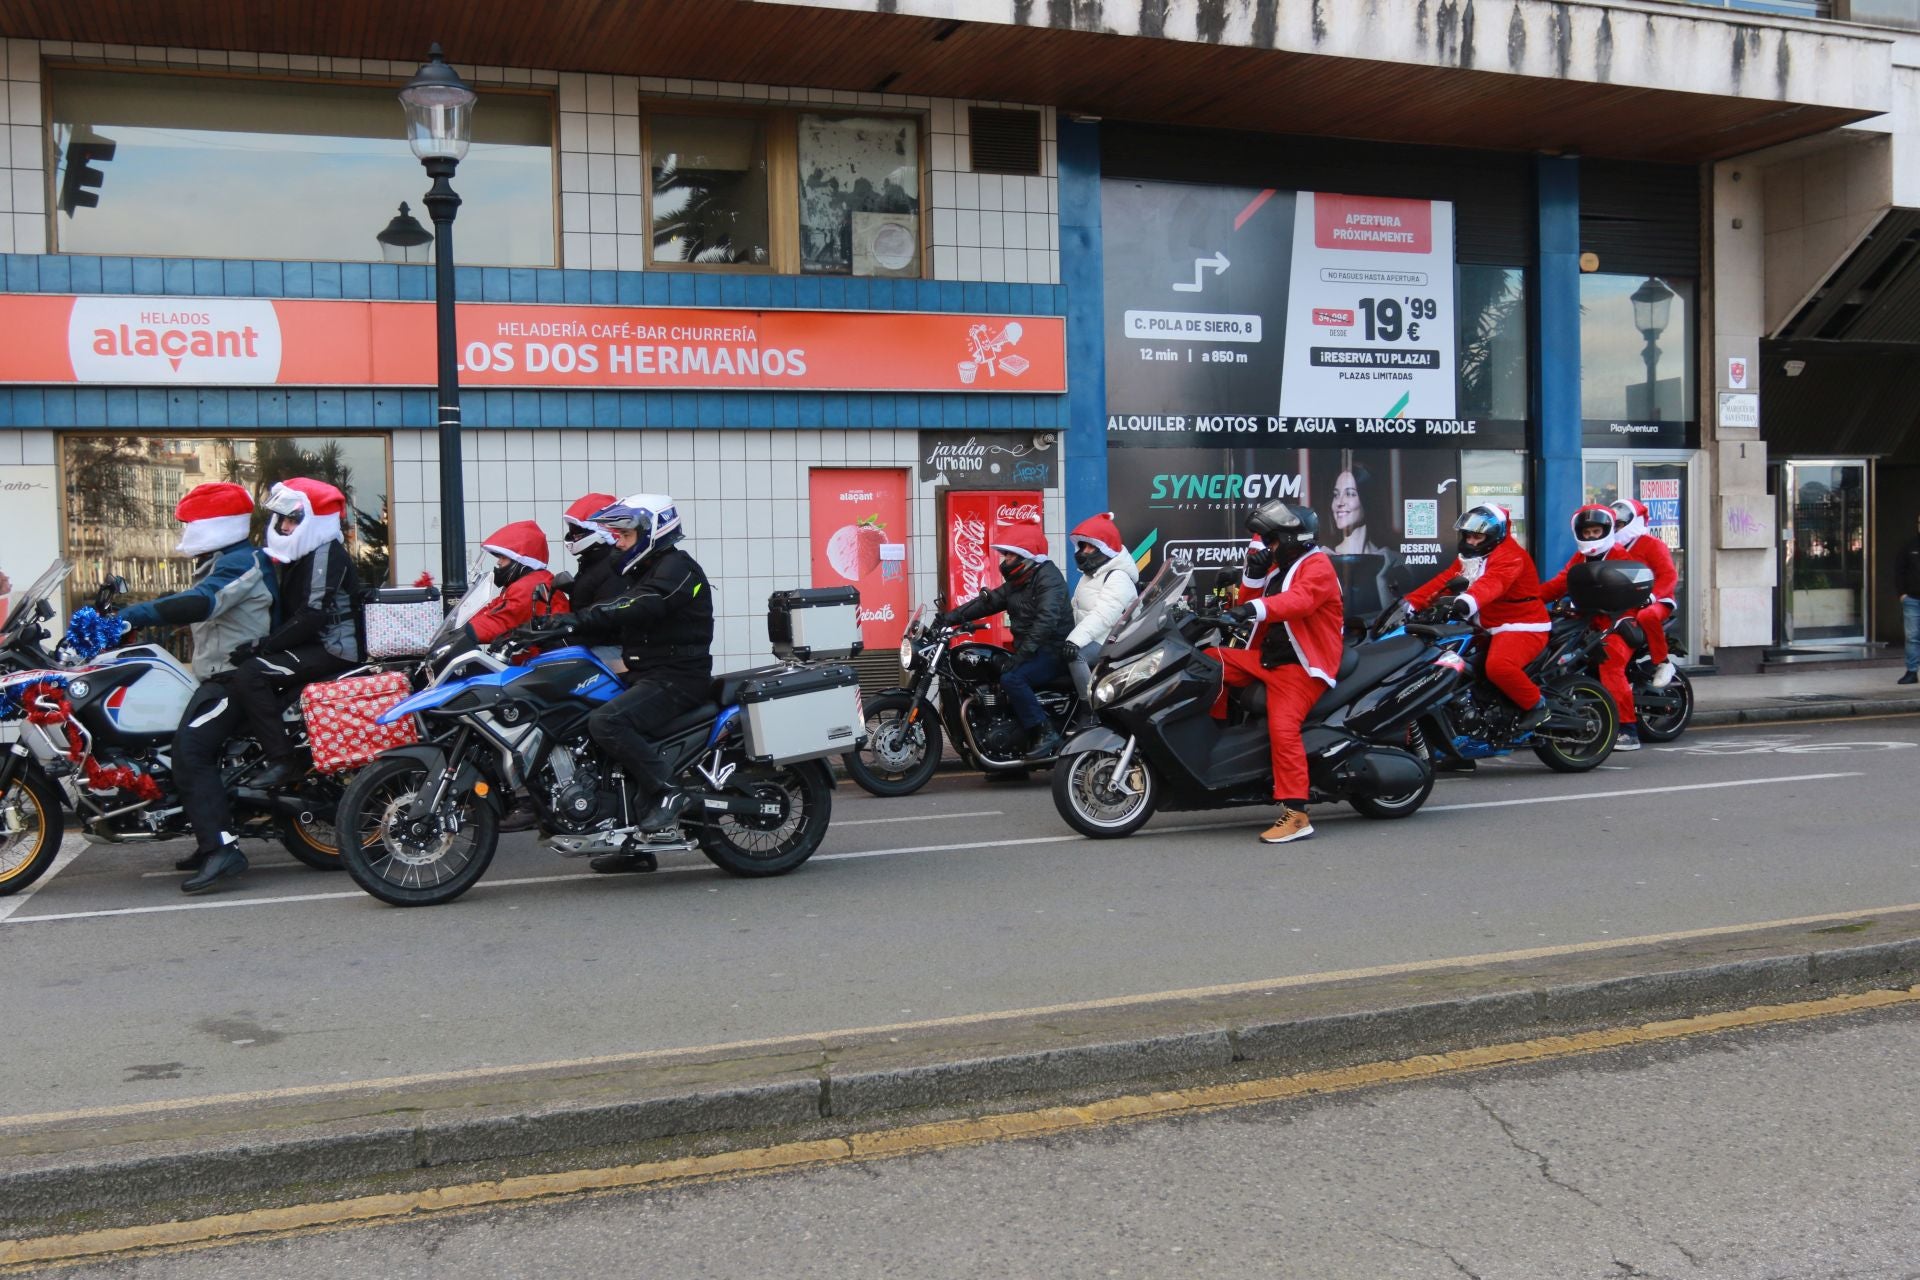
(71, 847)
(922, 817)
(1639, 791)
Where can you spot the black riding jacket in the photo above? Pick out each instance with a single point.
(662, 619)
(1039, 610)
(597, 578)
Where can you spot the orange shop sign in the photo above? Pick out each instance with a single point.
(299, 342)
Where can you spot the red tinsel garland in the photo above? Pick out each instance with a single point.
(47, 703)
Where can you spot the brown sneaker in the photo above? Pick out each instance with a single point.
(1292, 825)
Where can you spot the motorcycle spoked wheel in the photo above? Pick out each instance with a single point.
(412, 868)
(1593, 743)
(1401, 806)
(897, 758)
(31, 828)
(310, 836)
(1082, 794)
(1666, 724)
(757, 847)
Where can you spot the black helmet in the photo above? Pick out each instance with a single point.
(1281, 525)
(1484, 519)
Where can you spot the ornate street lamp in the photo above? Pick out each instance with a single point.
(1652, 307)
(404, 239)
(439, 127)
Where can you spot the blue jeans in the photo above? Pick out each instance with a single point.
(1043, 668)
(1910, 615)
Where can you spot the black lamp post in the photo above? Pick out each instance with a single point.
(1652, 306)
(439, 126)
(403, 239)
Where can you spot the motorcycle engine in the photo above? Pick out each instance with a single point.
(996, 734)
(579, 798)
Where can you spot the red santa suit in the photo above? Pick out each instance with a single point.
(1504, 594)
(1305, 603)
(1613, 667)
(1638, 543)
(523, 543)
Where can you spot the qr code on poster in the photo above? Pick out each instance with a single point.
(1422, 518)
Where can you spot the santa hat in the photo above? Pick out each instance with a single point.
(215, 515)
(522, 542)
(582, 532)
(320, 506)
(1101, 532)
(1024, 540)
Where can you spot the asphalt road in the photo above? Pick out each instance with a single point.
(1783, 1153)
(969, 898)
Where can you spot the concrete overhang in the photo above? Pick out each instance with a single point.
(1656, 81)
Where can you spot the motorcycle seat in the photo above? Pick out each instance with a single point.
(701, 715)
(1361, 667)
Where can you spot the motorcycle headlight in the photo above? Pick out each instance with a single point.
(1118, 681)
(906, 654)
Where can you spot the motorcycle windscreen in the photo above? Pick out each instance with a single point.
(22, 611)
(1143, 622)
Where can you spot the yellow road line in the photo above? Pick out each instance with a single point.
(257, 1224)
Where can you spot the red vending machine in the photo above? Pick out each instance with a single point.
(971, 523)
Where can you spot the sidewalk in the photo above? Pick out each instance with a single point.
(1812, 695)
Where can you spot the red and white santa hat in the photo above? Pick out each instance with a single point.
(215, 515)
(1633, 520)
(318, 506)
(1024, 540)
(523, 542)
(1100, 532)
(581, 531)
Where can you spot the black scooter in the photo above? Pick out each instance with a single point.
(1159, 747)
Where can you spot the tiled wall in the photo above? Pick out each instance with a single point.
(984, 226)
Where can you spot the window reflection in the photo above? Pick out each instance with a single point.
(1636, 349)
(239, 168)
(859, 195)
(709, 189)
(1493, 343)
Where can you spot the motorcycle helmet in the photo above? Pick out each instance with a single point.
(1023, 549)
(1489, 522)
(578, 531)
(305, 517)
(1632, 515)
(522, 545)
(216, 515)
(1286, 530)
(1594, 529)
(652, 517)
(1095, 541)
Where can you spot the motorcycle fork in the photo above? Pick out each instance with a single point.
(11, 765)
(428, 805)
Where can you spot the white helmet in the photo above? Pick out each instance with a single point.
(651, 515)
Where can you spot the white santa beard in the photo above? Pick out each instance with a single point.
(1471, 567)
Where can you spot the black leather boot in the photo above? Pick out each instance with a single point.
(224, 862)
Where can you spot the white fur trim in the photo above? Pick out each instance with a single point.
(1022, 552)
(1103, 548)
(1473, 606)
(1259, 610)
(312, 533)
(1505, 627)
(213, 533)
(514, 556)
(1245, 581)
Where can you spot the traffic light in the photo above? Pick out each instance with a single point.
(81, 174)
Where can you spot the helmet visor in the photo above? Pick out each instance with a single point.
(1479, 520)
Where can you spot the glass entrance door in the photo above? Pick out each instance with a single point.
(1824, 552)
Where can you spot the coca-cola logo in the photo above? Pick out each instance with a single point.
(1024, 513)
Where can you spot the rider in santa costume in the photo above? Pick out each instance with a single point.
(1596, 537)
(1638, 543)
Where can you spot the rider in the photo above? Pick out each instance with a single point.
(597, 577)
(663, 620)
(1503, 592)
(1287, 580)
(1109, 582)
(1034, 595)
(1596, 537)
(1638, 543)
(519, 553)
(231, 603)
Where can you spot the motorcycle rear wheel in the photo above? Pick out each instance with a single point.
(1591, 701)
(311, 837)
(1666, 725)
(396, 866)
(1403, 806)
(1081, 794)
(31, 828)
(897, 759)
(754, 848)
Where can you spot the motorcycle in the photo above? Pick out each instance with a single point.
(95, 729)
(420, 823)
(1664, 713)
(955, 688)
(1158, 746)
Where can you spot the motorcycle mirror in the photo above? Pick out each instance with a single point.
(562, 581)
(117, 585)
(43, 609)
(542, 593)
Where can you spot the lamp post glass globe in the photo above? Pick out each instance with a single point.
(439, 110)
(1652, 307)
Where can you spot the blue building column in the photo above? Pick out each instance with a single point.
(1556, 446)
(1085, 438)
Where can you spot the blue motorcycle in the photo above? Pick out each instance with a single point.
(420, 824)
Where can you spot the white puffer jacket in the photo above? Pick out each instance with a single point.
(1101, 597)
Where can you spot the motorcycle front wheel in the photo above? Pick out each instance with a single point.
(757, 847)
(1592, 743)
(1667, 721)
(405, 863)
(898, 758)
(31, 827)
(1084, 794)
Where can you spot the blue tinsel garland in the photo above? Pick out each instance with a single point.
(89, 633)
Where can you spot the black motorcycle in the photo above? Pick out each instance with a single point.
(955, 689)
(1158, 745)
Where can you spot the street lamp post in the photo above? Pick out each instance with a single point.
(439, 127)
(403, 239)
(1652, 306)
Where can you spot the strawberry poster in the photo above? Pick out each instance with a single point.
(858, 523)
(975, 521)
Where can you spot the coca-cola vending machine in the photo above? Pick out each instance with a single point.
(971, 522)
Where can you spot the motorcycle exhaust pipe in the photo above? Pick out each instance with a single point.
(297, 807)
(1389, 771)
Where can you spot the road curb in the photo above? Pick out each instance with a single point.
(86, 1170)
(1720, 717)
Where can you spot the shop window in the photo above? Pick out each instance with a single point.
(1636, 357)
(1497, 476)
(121, 492)
(710, 190)
(859, 195)
(191, 166)
(1492, 304)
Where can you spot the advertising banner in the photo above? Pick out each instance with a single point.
(990, 459)
(298, 342)
(975, 521)
(857, 519)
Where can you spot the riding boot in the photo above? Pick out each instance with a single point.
(223, 862)
(1045, 743)
(281, 771)
(665, 812)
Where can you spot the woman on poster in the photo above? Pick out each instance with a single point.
(1362, 545)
